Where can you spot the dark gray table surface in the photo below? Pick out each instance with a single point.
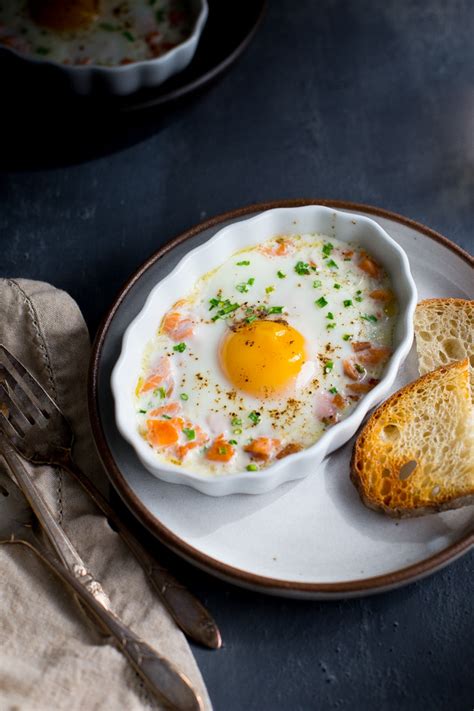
(345, 99)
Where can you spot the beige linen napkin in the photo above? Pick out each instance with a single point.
(51, 656)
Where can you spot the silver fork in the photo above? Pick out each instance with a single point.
(36, 427)
(162, 678)
(56, 535)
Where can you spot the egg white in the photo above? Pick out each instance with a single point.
(299, 414)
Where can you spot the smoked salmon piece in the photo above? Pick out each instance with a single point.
(177, 326)
(282, 247)
(200, 438)
(360, 388)
(381, 295)
(162, 433)
(350, 369)
(290, 448)
(171, 409)
(262, 447)
(374, 355)
(369, 267)
(220, 450)
(339, 401)
(160, 378)
(360, 345)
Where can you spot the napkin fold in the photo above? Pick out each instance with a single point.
(51, 655)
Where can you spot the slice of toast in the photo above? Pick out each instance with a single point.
(415, 454)
(444, 330)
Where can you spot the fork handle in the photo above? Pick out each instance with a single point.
(162, 678)
(56, 536)
(188, 613)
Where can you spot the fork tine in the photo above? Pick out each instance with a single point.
(23, 379)
(9, 431)
(17, 418)
(29, 407)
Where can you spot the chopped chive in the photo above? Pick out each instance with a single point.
(151, 2)
(337, 286)
(236, 421)
(107, 27)
(254, 416)
(330, 326)
(328, 366)
(347, 259)
(213, 303)
(358, 292)
(358, 298)
(333, 391)
(190, 434)
(346, 337)
(42, 50)
(370, 317)
(249, 319)
(330, 315)
(243, 263)
(275, 310)
(180, 347)
(281, 275)
(332, 264)
(359, 368)
(142, 411)
(233, 441)
(243, 287)
(302, 268)
(251, 281)
(252, 468)
(327, 249)
(162, 392)
(317, 283)
(128, 35)
(269, 289)
(227, 308)
(321, 302)
(160, 15)
(166, 417)
(184, 396)
(347, 302)
(222, 450)
(237, 431)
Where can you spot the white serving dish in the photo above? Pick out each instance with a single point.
(311, 218)
(125, 79)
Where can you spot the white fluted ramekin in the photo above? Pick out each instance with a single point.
(125, 79)
(246, 233)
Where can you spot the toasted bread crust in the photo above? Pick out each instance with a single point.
(377, 461)
(444, 330)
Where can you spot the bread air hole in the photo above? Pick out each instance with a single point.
(386, 486)
(390, 433)
(407, 469)
(454, 348)
(424, 335)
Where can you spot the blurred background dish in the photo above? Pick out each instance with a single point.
(101, 124)
(111, 46)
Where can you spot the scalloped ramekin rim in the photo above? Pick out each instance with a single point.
(172, 56)
(280, 471)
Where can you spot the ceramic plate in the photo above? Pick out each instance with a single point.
(310, 538)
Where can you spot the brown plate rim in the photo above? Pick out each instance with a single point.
(165, 535)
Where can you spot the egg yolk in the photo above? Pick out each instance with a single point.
(262, 358)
